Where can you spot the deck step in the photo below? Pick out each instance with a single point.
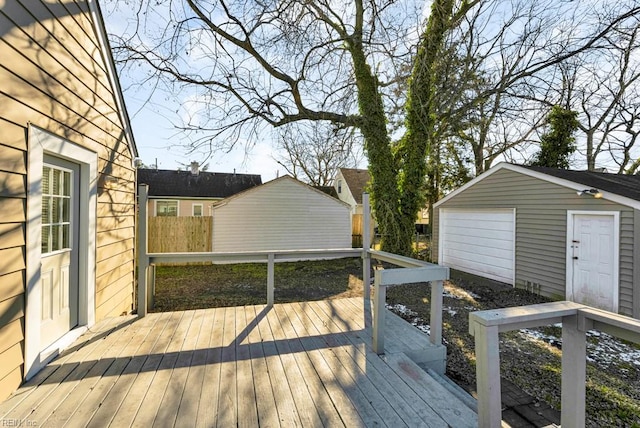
(449, 406)
(455, 389)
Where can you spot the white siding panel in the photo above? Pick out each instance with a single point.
(479, 241)
(283, 214)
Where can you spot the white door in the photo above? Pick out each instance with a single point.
(593, 260)
(59, 267)
(479, 241)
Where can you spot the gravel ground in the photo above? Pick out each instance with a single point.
(530, 358)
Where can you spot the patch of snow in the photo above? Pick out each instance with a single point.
(401, 309)
(451, 311)
(606, 350)
(462, 295)
(426, 328)
(415, 320)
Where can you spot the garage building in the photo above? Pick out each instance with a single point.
(564, 234)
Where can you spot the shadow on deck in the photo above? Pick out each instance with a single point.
(308, 364)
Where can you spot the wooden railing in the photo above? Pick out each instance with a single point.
(576, 320)
(413, 271)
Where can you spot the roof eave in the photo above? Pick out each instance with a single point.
(103, 41)
(609, 196)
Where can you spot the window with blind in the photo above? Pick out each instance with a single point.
(56, 209)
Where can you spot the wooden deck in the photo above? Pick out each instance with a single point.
(299, 364)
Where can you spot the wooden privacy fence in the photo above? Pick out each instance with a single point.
(180, 234)
(357, 226)
(356, 230)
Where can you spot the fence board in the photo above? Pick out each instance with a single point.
(356, 230)
(180, 234)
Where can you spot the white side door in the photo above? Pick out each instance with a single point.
(59, 267)
(593, 259)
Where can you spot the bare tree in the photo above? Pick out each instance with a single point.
(604, 86)
(312, 152)
(518, 52)
(278, 63)
(260, 63)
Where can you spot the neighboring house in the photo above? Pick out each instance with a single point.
(282, 214)
(351, 183)
(566, 234)
(67, 198)
(193, 192)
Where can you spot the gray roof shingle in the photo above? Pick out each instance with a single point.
(170, 183)
(619, 184)
(357, 181)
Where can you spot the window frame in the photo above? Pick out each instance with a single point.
(193, 210)
(175, 201)
(59, 223)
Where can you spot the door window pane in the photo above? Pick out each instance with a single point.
(56, 209)
(46, 233)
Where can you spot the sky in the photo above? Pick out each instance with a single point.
(158, 141)
(151, 114)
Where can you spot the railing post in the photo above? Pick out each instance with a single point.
(366, 258)
(366, 245)
(143, 258)
(151, 287)
(435, 335)
(574, 348)
(488, 376)
(379, 313)
(270, 278)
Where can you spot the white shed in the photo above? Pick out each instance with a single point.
(283, 214)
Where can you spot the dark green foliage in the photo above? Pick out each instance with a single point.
(557, 145)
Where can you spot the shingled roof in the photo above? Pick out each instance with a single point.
(357, 180)
(619, 184)
(185, 184)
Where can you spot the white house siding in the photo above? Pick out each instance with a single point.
(344, 193)
(541, 229)
(283, 214)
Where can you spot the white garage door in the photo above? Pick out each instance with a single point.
(479, 241)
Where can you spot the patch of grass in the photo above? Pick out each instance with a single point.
(208, 286)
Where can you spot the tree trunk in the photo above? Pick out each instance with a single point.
(382, 167)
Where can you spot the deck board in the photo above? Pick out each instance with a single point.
(265, 402)
(190, 401)
(298, 364)
(161, 366)
(405, 401)
(247, 410)
(287, 412)
(294, 376)
(208, 407)
(228, 397)
(32, 393)
(320, 395)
